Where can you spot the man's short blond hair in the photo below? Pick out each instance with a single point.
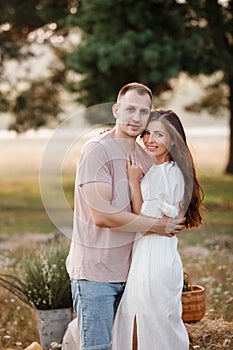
(140, 88)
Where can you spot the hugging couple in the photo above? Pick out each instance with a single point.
(130, 203)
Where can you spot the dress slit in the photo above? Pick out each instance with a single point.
(135, 335)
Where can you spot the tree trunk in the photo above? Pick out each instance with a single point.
(229, 168)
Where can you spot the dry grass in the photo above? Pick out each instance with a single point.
(211, 335)
(209, 264)
(17, 323)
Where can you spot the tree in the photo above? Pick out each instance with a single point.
(212, 22)
(123, 40)
(126, 41)
(38, 101)
(151, 42)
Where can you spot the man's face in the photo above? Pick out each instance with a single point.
(132, 113)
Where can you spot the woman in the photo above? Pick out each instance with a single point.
(151, 309)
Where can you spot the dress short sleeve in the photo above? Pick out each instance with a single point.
(162, 190)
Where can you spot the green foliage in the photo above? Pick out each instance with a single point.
(40, 102)
(36, 106)
(23, 17)
(186, 286)
(125, 42)
(208, 44)
(41, 280)
(55, 11)
(149, 41)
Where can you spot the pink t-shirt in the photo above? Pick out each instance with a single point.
(102, 254)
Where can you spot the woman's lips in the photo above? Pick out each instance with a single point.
(151, 148)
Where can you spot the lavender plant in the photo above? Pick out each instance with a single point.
(40, 279)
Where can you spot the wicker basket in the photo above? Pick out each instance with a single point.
(193, 303)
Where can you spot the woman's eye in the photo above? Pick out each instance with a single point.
(146, 132)
(158, 134)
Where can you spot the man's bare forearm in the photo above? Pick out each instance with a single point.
(98, 198)
(129, 222)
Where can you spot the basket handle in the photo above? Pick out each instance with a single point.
(186, 275)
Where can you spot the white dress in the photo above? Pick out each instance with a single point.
(154, 285)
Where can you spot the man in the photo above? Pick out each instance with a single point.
(104, 226)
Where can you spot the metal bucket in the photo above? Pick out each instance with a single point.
(52, 325)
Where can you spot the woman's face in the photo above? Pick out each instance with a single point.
(157, 141)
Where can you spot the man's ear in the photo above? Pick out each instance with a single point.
(115, 110)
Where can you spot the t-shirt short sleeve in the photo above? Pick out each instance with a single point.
(94, 164)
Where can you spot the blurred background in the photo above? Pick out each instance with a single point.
(58, 59)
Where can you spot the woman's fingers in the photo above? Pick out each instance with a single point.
(134, 160)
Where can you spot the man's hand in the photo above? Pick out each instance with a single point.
(175, 226)
(98, 197)
(167, 226)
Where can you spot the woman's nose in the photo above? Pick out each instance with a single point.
(151, 138)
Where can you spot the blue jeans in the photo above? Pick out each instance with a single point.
(96, 304)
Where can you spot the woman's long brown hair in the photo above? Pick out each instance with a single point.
(181, 155)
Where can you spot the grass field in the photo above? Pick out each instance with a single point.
(21, 207)
(206, 252)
